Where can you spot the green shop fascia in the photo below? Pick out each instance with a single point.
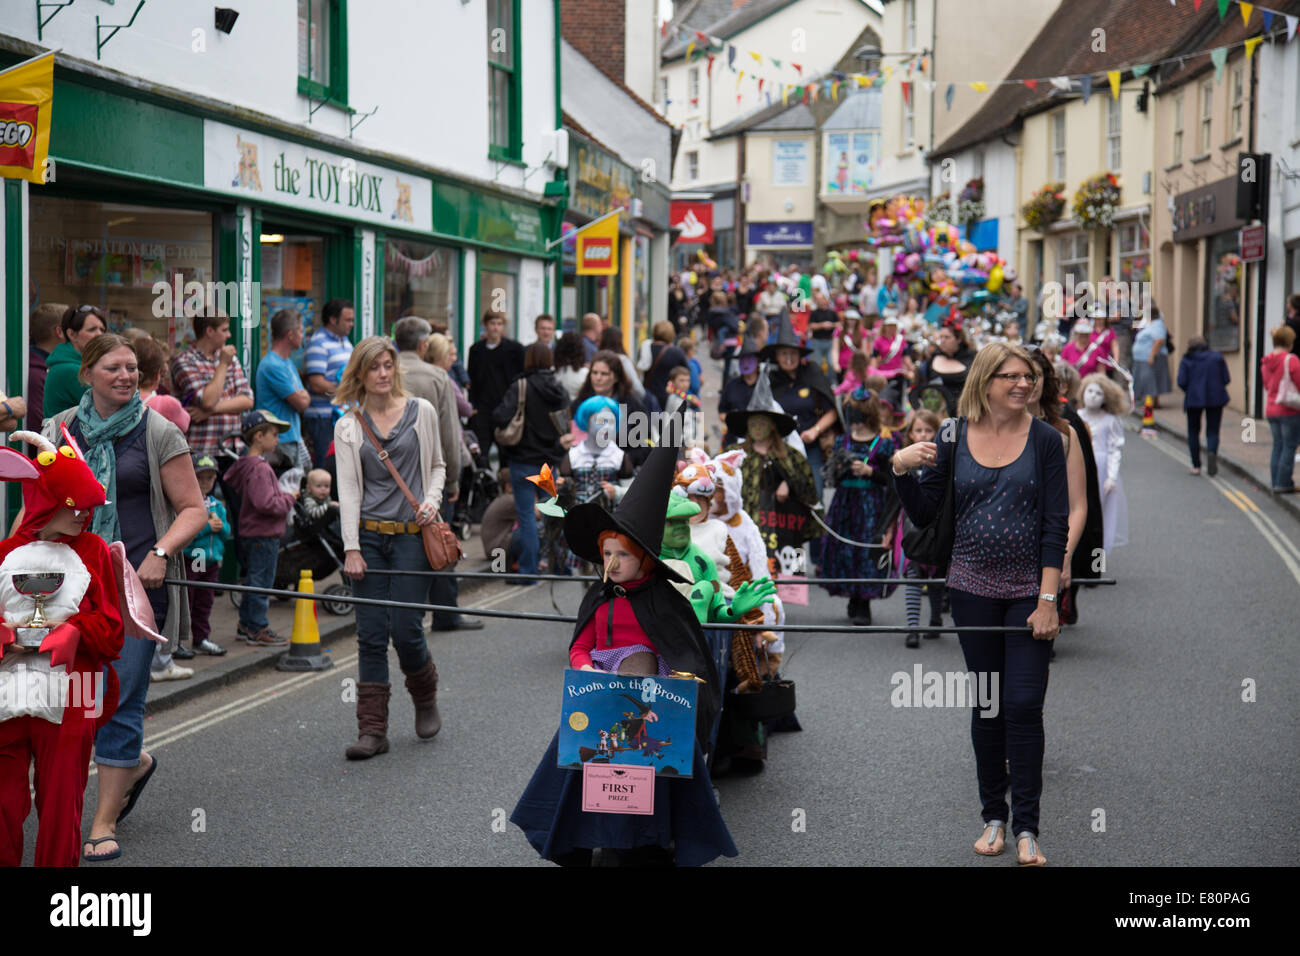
(159, 207)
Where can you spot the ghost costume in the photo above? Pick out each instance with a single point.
(1107, 441)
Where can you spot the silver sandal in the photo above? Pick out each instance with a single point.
(995, 826)
(1033, 848)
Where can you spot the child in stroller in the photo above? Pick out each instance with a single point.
(478, 488)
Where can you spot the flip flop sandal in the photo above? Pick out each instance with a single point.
(133, 794)
(101, 857)
(996, 826)
(1033, 849)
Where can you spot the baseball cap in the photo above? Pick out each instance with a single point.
(258, 417)
(203, 462)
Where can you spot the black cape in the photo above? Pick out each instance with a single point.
(1093, 540)
(808, 376)
(668, 618)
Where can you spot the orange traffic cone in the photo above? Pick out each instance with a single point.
(304, 652)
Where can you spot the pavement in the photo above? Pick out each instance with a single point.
(1245, 445)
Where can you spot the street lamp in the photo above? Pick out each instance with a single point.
(871, 55)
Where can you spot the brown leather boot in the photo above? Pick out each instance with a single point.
(423, 686)
(372, 721)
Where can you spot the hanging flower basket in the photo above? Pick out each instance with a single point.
(1096, 201)
(940, 210)
(1044, 207)
(970, 204)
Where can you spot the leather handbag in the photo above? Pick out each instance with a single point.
(509, 436)
(932, 545)
(775, 698)
(441, 545)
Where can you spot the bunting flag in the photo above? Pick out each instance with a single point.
(690, 48)
(1291, 24)
(739, 78)
(775, 62)
(1142, 69)
(805, 95)
(1114, 77)
(709, 70)
(1251, 44)
(737, 99)
(1245, 13)
(1223, 8)
(798, 68)
(979, 86)
(925, 64)
(889, 73)
(1268, 19)
(768, 94)
(947, 96)
(1085, 86)
(1032, 84)
(761, 80)
(756, 56)
(702, 37)
(826, 87)
(695, 101)
(1061, 83)
(907, 92)
(731, 58)
(1219, 57)
(929, 85)
(814, 89)
(1196, 5)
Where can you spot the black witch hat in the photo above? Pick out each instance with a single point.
(760, 401)
(785, 339)
(639, 515)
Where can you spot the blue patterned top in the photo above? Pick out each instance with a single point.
(995, 552)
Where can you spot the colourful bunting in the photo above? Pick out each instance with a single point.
(1223, 8)
(755, 55)
(1114, 77)
(775, 62)
(1085, 86)
(1196, 4)
(798, 68)
(703, 37)
(731, 58)
(907, 92)
(1142, 69)
(947, 96)
(979, 86)
(1061, 83)
(1268, 19)
(1245, 13)
(739, 78)
(1251, 44)
(1032, 84)
(690, 48)
(805, 94)
(785, 94)
(1219, 57)
(709, 70)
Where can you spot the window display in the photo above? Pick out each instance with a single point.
(419, 279)
(1223, 298)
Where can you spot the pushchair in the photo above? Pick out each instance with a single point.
(478, 488)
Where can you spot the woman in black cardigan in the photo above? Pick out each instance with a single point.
(1011, 511)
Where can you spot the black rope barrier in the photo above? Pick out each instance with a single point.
(589, 578)
(561, 619)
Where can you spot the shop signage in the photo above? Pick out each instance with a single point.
(1252, 243)
(248, 164)
(597, 248)
(460, 212)
(779, 234)
(600, 182)
(1206, 211)
(694, 220)
(26, 98)
(790, 162)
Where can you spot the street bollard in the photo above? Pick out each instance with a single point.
(304, 652)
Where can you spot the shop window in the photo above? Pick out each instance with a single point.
(322, 50)
(1223, 296)
(293, 277)
(132, 261)
(419, 279)
(1178, 128)
(693, 85)
(692, 165)
(498, 291)
(909, 122)
(1072, 259)
(1134, 253)
(909, 25)
(506, 140)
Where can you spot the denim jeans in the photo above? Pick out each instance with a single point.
(118, 742)
(445, 589)
(398, 621)
(320, 429)
(821, 353)
(525, 501)
(258, 556)
(1286, 436)
(1213, 418)
(1016, 733)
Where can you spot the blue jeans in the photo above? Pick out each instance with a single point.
(320, 429)
(118, 742)
(1213, 418)
(821, 353)
(1286, 437)
(259, 557)
(398, 622)
(1016, 733)
(445, 589)
(525, 502)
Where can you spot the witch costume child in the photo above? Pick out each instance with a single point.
(614, 631)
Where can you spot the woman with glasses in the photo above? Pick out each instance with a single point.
(1011, 529)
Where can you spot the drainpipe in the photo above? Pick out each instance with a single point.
(558, 187)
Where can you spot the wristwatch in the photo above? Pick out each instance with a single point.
(1049, 598)
(160, 551)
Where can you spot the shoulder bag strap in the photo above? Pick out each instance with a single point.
(654, 365)
(383, 456)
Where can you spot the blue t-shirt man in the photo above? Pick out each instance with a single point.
(277, 379)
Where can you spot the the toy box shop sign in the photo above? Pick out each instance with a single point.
(249, 164)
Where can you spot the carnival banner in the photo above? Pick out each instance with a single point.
(26, 104)
(625, 720)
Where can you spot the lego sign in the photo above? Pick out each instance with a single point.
(26, 96)
(597, 248)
